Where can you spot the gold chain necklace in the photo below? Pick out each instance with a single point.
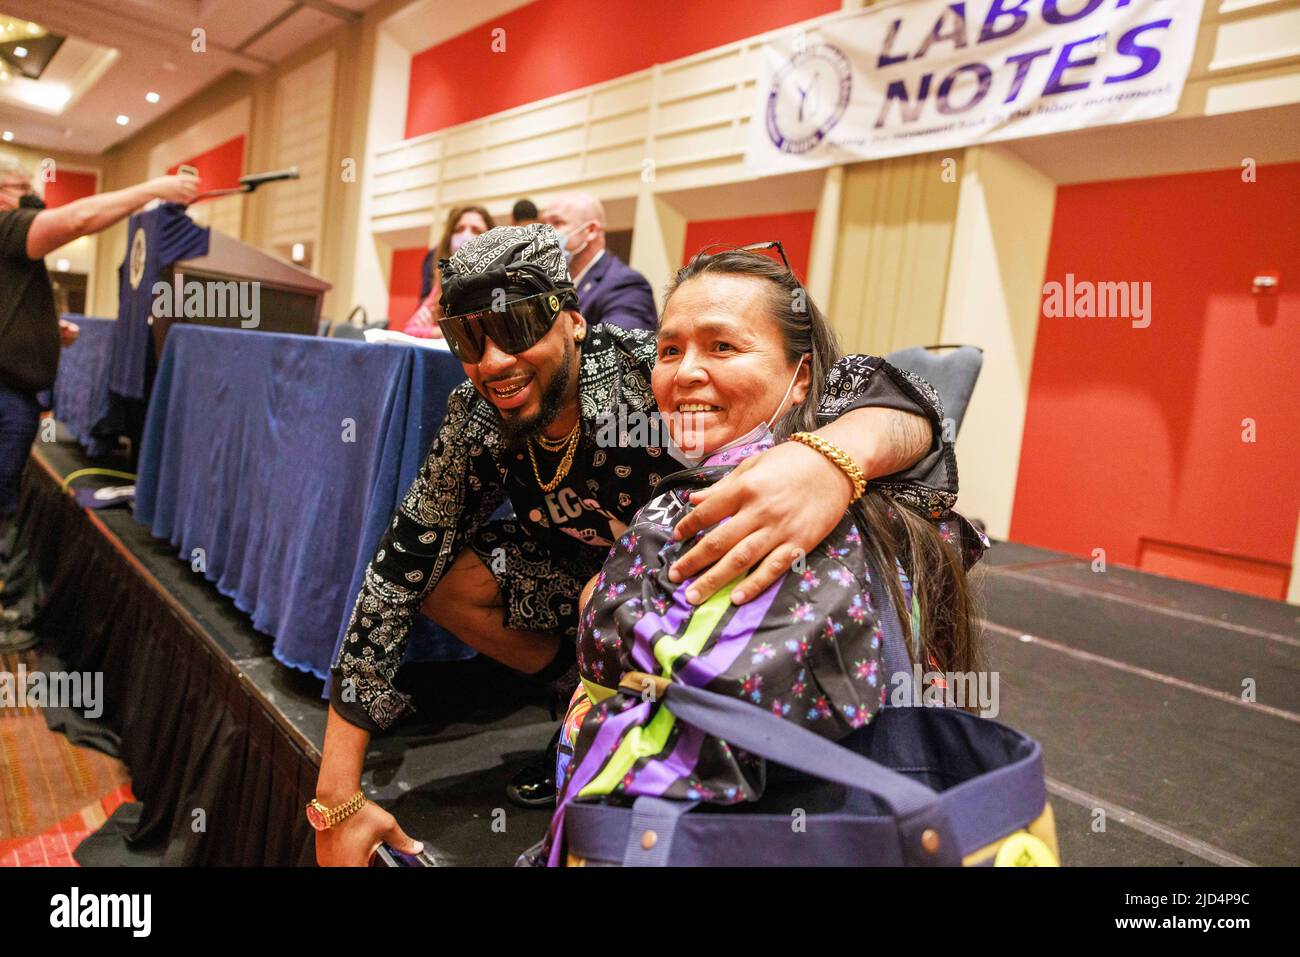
(554, 445)
(565, 463)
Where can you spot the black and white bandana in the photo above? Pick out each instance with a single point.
(534, 247)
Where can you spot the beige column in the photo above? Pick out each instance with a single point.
(994, 296)
(658, 240)
(825, 238)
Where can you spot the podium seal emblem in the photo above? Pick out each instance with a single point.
(139, 255)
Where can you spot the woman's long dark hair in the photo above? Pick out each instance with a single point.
(892, 531)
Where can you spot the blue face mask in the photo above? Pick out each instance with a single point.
(759, 433)
(564, 241)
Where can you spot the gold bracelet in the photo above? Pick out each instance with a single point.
(838, 456)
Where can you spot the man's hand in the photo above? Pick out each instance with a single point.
(175, 189)
(782, 503)
(68, 332)
(52, 228)
(352, 842)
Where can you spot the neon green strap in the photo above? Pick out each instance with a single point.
(111, 473)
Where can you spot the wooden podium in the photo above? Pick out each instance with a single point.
(288, 296)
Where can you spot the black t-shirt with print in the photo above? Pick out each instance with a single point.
(29, 326)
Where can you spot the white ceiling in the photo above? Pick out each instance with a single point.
(149, 47)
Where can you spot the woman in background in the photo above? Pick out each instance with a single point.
(464, 223)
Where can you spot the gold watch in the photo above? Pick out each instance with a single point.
(322, 818)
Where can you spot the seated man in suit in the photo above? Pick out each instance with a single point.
(609, 290)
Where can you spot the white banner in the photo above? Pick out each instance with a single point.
(928, 75)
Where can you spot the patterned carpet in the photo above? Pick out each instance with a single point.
(52, 793)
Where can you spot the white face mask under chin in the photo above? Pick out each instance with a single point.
(757, 434)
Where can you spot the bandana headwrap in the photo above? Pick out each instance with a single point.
(522, 260)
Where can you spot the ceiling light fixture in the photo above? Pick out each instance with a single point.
(152, 97)
(47, 96)
(28, 55)
(8, 136)
(123, 119)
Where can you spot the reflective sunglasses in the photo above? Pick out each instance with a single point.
(515, 327)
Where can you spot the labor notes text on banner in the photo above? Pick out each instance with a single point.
(926, 75)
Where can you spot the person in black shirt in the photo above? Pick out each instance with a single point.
(29, 327)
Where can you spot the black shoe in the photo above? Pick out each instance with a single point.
(534, 785)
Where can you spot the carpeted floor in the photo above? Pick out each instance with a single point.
(52, 793)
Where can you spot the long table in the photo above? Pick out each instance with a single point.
(274, 462)
(81, 399)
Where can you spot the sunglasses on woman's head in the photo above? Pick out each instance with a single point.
(714, 249)
(517, 326)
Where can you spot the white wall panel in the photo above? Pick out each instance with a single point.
(303, 103)
(689, 118)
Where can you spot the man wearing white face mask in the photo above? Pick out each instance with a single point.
(609, 290)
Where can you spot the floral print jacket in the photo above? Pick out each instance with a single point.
(808, 650)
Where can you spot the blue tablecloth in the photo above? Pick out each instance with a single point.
(81, 399)
(282, 458)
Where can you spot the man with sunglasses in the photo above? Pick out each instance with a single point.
(525, 426)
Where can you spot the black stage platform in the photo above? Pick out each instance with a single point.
(210, 720)
(1132, 683)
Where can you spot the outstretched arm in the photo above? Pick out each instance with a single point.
(53, 228)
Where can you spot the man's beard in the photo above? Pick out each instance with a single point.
(517, 433)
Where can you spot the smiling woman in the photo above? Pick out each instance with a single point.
(723, 370)
(744, 358)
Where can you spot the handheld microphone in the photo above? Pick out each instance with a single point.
(254, 180)
(246, 183)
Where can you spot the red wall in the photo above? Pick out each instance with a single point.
(794, 230)
(68, 186)
(220, 167)
(552, 46)
(404, 286)
(1132, 437)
